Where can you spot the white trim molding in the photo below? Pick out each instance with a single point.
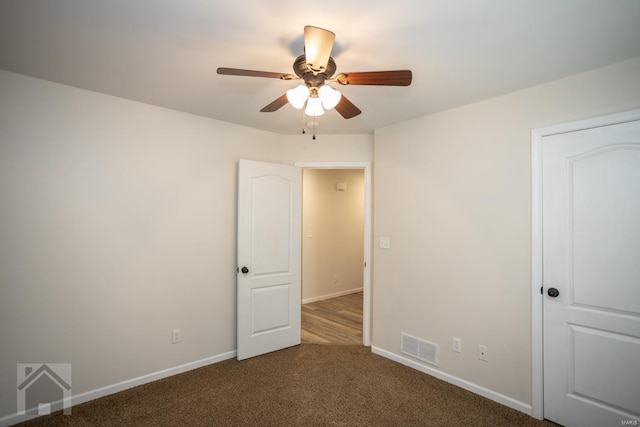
(537, 136)
(366, 291)
(329, 296)
(124, 385)
(451, 379)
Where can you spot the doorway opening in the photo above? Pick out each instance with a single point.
(336, 239)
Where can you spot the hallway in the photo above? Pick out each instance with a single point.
(333, 321)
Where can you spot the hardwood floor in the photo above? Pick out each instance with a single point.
(333, 321)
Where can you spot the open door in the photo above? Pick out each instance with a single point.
(269, 247)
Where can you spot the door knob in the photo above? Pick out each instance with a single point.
(553, 292)
(244, 270)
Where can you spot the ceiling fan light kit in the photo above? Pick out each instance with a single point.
(317, 100)
(329, 97)
(298, 96)
(314, 107)
(316, 67)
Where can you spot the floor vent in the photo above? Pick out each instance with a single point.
(420, 349)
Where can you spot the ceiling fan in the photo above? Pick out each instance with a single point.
(316, 67)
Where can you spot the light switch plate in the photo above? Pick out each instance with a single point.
(385, 242)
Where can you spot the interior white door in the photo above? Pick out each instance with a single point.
(269, 246)
(591, 256)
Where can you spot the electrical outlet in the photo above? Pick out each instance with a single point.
(176, 336)
(385, 242)
(457, 345)
(483, 353)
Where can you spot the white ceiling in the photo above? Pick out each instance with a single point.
(165, 52)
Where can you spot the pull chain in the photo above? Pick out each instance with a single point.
(314, 125)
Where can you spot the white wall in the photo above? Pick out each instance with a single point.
(332, 233)
(327, 148)
(453, 192)
(117, 225)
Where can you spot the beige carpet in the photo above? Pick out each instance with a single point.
(308, 385)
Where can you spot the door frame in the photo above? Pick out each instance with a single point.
(366, 168)
(537, 137)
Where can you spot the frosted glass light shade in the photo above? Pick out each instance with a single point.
(297, 96)
(329, 97)
(318, 43)
(314, 107)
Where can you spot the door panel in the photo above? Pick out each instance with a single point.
(604, 210)
(271, 225)
(269, 208)
(591, 254)
(270, 308)
(610, 385)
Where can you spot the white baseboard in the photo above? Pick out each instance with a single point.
(134, 382)
(329, 296)
(474, 388)
(121, 386)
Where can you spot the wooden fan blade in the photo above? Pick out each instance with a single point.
(318, 43)
(275, 105)
(377, 78)
(253, 73)
(346, 108)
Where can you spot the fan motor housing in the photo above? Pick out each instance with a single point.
(310, 78)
